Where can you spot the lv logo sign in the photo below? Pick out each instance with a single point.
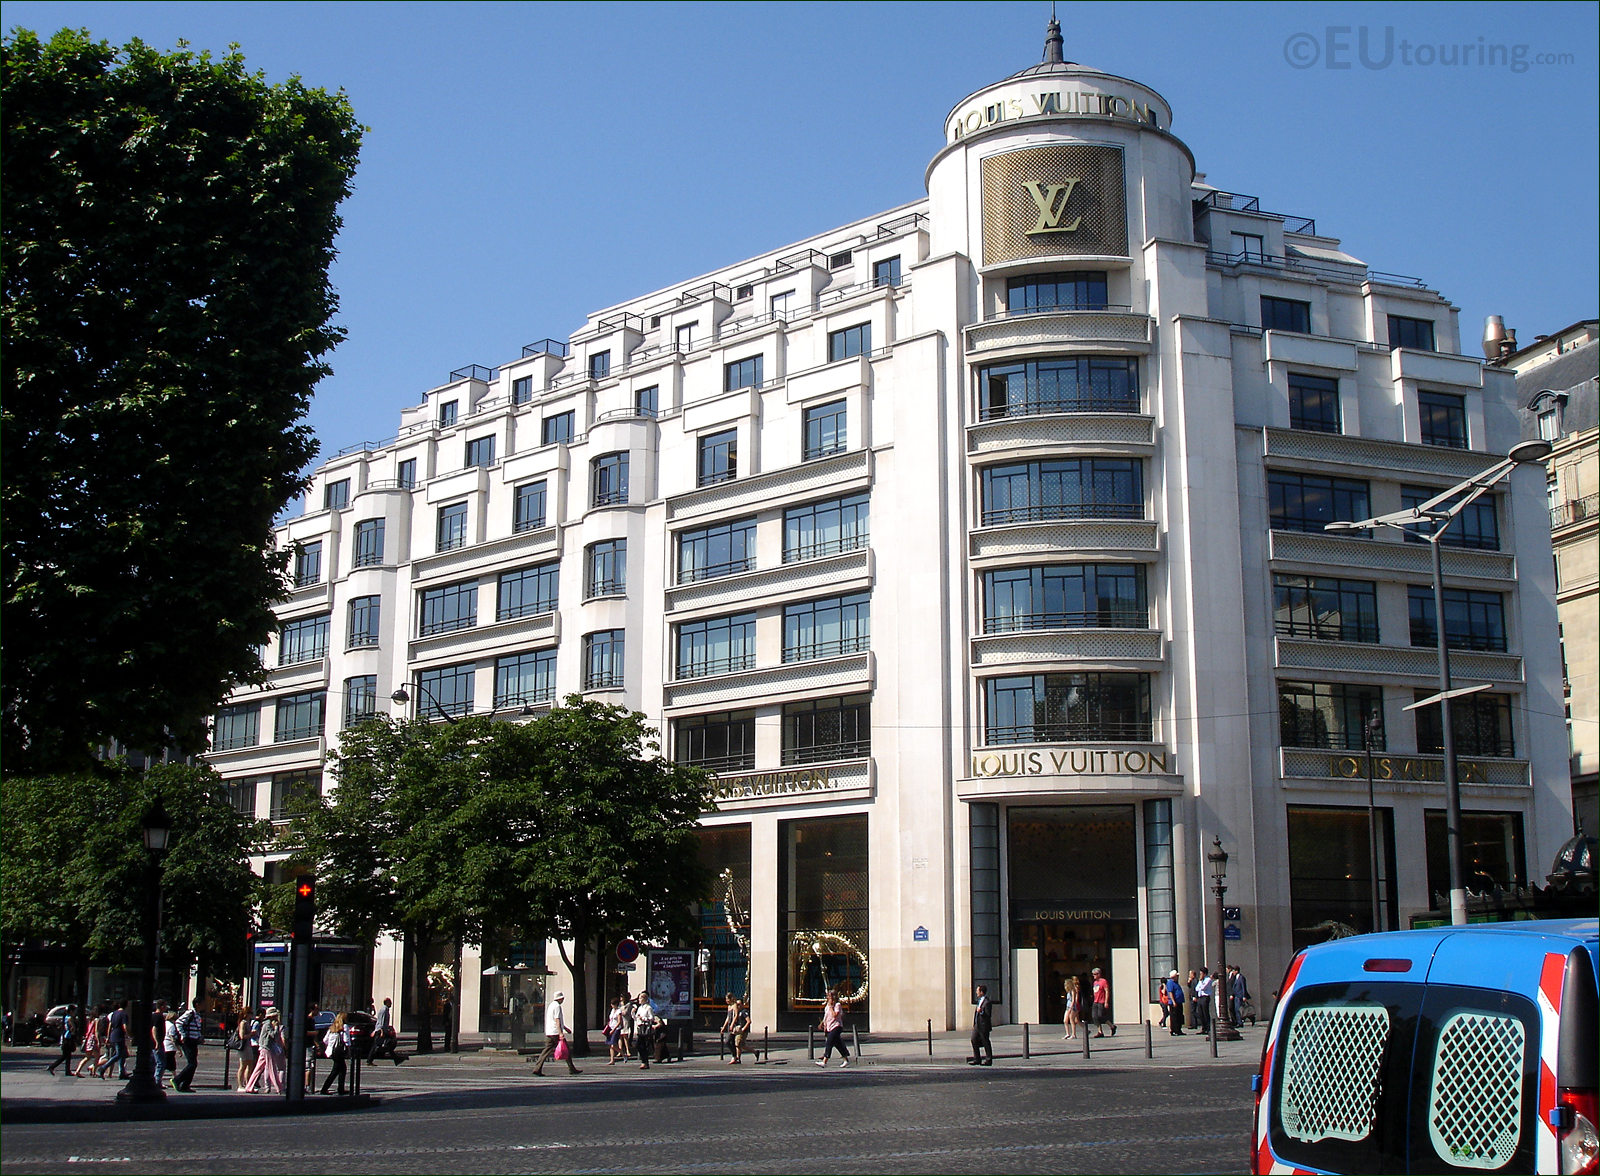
(1052, 201)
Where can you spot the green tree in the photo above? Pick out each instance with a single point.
(600, 836)
(569, 827)
(169, 223)
(77, 873)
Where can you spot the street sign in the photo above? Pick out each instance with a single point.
(1231, 933)
(627, 951)
(626, 967)
(1230, 913)
(920, 935)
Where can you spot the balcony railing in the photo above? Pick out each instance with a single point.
(826, 752)
(448, 625)
(742, 761)
(705, 667)
(1328, 631)
(716, 571)
(812, 650)
(1103, 731)
(1131, 618)
(1064, 510)
(800, 553)
(1035, 405)
(1575, 510)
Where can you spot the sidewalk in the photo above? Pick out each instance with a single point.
(30, 1095)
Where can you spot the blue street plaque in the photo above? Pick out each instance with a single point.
(1232, 933)
(920, 935)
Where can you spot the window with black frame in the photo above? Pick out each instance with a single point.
(236, 727)
(1442, 419)
(364, 613)
(1071, 290)
(557, 429)
(292, 793)
(452, 528)
(303, 640)
(1074, 488)
(1328, 715)
(1472, 619)
(525, 679)
(608, 479)
(721, 742)
(1313, 403)
(1480, 723)
(1065, 596)
(604, 659)
(716, 645)
(369, 544)
(1309, 502)
(742, 373)
(849, 342)
(527, 507)
(527, 592)
(830, 627)
(718, 457)
(722, 550)
(822, 729)
(360, 698)
(336, 495)
(1285, 314)
(448, 689)
(1067, 708)
(448, 608)
(308, 563)
(826, 430)
(1325, 608)
(1066, 383)
(480, 453)
(1413, 333)
(823, 904)
(298, 716)
(1476, 527)
(605, 568)
(833, 526)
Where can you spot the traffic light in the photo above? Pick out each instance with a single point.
(305, 906)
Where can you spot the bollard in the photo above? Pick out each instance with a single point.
(1086, 1042)
(227, 1066)
(811, 1043)
(1213, 1032)
(1149, 1046)
(930, 1037)
(1025, 1051)
(855, 1042)
(766, 1046)
(680, 1043)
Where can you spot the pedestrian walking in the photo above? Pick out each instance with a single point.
(1072, 1008)
(336, 1048)
(982, 1027)
(727, 1022)
(70, 1035)
(646, 1024)
(1193, 982)
(93, 1043)
(1174, 994)
(271, 1064)
(555, 1036)
(740, 1031)
(248, 1027)
(384, 1037)
(164, 1035)
(1239, 995)
(832, 1025)
(1100, 995)
(191, 1031)
(1203, 990)
(117, 1040)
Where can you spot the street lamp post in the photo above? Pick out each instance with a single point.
(142, 1086)
(402, 697)
(1441, 511)
(1370, 730)
(1218, 857)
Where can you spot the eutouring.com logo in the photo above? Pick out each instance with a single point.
(1365, 47)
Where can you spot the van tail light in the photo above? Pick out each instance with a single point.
(1578, 1130)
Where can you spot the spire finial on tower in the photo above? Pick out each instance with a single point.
(1052, 40)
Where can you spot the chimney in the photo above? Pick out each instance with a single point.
(1494, 333)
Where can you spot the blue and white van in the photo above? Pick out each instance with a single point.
(1456, 1049)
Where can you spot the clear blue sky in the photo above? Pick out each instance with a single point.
(529, 163)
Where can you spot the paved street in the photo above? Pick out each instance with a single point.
(895, 1111)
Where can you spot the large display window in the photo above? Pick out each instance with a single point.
(723, 955)
(822, 918)
(1330, 873)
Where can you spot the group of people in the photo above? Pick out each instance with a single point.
(1099, 1006)
(1203, 991)
(105, 1035)
(634, 1029)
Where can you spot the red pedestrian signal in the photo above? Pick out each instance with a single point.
(305, 907)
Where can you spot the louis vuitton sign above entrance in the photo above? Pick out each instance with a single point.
(1066, 199)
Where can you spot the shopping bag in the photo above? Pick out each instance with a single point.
(562, 1052)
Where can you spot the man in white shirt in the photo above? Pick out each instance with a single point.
(555, 1028)
(1204, 989)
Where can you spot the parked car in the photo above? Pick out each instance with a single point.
(359, 1024)
(1454, 1049)
(50, 1032)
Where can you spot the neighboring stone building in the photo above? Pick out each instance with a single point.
(978, 546)
(1556, 381)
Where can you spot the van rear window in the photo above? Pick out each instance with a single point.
(1475, 1100)
(1330, 1071)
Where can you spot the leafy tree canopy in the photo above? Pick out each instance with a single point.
(77, 873)
(169, 223)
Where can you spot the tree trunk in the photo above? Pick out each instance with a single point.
(579, 966)
(419, 959)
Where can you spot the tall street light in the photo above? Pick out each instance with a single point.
(1222, 1020)
(1441, 511)
(402, 697)
(1371, 732)
(142, 1086)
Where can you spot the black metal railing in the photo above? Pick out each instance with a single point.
(825, 752)
(474, 371)
(1064, 510)
(449, 625)
(704, 667)
(806, 551)
(716, 571)
(1104, 730)
(812, 650)
(1031, 404)
(1129, 618)
(532, 609)
(1366, 634)
(611, 497)
(1575, 510)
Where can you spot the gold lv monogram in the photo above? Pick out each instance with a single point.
(1052, 200)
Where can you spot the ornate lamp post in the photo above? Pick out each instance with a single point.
(1441, 510)
(142, 1087)
(1371, 732)
(1223, 1018)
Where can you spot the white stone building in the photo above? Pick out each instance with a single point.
(978, 546)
